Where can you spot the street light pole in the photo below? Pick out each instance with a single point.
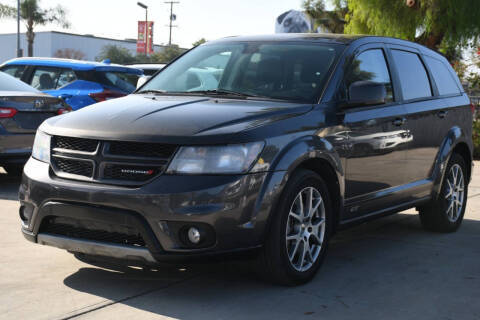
(19, 52)
(145, 31)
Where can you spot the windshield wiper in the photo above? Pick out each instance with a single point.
(225, 92)
(152, 91)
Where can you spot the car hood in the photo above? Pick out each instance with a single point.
(151, 118)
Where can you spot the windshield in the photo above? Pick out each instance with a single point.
(9, 83)
(286, 71)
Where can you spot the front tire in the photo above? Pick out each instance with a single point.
(445, 214)
(300, 230)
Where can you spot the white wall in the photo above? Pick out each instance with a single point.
(47, 43)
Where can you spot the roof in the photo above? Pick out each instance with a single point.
(328, 37)
(322, 37)
(78, 65)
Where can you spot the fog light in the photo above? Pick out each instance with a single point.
(194, 235)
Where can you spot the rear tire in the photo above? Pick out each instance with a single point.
(445, 214)
(300, 230)
(15, 170)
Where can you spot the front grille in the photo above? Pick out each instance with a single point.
(145, 150)
(75, 144)
(76, 167)
(96, 232)
(112, 162)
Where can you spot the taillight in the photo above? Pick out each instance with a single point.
(105, 95)
(7, 112)
(64, 110)
(472, 107)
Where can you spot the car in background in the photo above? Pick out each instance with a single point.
(79, 83)
(149, 69)
(22, 110)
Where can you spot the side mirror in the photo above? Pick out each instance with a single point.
(366, 93)
(141, 81)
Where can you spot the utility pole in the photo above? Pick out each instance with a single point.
(19, 51)
(172, 18)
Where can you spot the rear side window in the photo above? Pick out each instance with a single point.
(444, 79)
(370, 66)
(413, 76)
(15, 71)
(45, 78)
(122, 81)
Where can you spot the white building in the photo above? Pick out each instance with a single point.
(47, 43)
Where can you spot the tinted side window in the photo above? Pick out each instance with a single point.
(14, 71)
(444, 80)
(370, 66)
(413, 76)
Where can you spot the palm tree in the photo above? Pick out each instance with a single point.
(33, 15)
(330, 20)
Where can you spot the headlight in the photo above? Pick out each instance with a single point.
(215, 159)
(41, 147)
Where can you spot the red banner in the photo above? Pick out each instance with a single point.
(144, 37)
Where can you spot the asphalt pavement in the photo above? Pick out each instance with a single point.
(387, 269)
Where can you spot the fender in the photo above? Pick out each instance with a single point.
(454, 137)
(285, 163)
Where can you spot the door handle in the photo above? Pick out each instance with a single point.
(442, 114)
(399, 122)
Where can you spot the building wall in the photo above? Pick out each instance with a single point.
(48, 42)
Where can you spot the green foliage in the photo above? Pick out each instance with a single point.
(168, 54)
(7, 11)
(199, 42)
(122, 55)
(332, 21)
(32, 15)
(429, 22)
(476, 139)
(116, 54)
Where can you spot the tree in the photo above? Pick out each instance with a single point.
(436, 24)
(32, 15)
(167, 54)
(116, 54)
(69, 54)
(330, 20)
(199, 42)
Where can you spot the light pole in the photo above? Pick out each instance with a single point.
(145, 31)
(172, 17)
(19, 51)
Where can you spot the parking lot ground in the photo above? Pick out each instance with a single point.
(387, 269)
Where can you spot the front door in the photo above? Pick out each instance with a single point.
(377, 141)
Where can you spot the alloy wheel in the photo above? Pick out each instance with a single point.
(305, 231)
(454, 192)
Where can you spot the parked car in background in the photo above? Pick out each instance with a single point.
(79, 83)
(268, 144)
(22, 110)
(149, 69)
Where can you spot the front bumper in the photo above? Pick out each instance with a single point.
(235, 208)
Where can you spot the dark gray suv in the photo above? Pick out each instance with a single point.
(265, 144)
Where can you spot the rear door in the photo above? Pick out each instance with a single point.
(428, 116)
(376, 137)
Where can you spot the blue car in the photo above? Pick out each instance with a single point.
(78, 83)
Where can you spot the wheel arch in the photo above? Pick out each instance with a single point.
(456, 141)
(315, 154)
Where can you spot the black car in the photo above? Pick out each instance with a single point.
(265, 144)
(22, 110)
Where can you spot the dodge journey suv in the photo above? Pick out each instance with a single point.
(265, 144)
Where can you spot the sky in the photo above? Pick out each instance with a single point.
(196, 19)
